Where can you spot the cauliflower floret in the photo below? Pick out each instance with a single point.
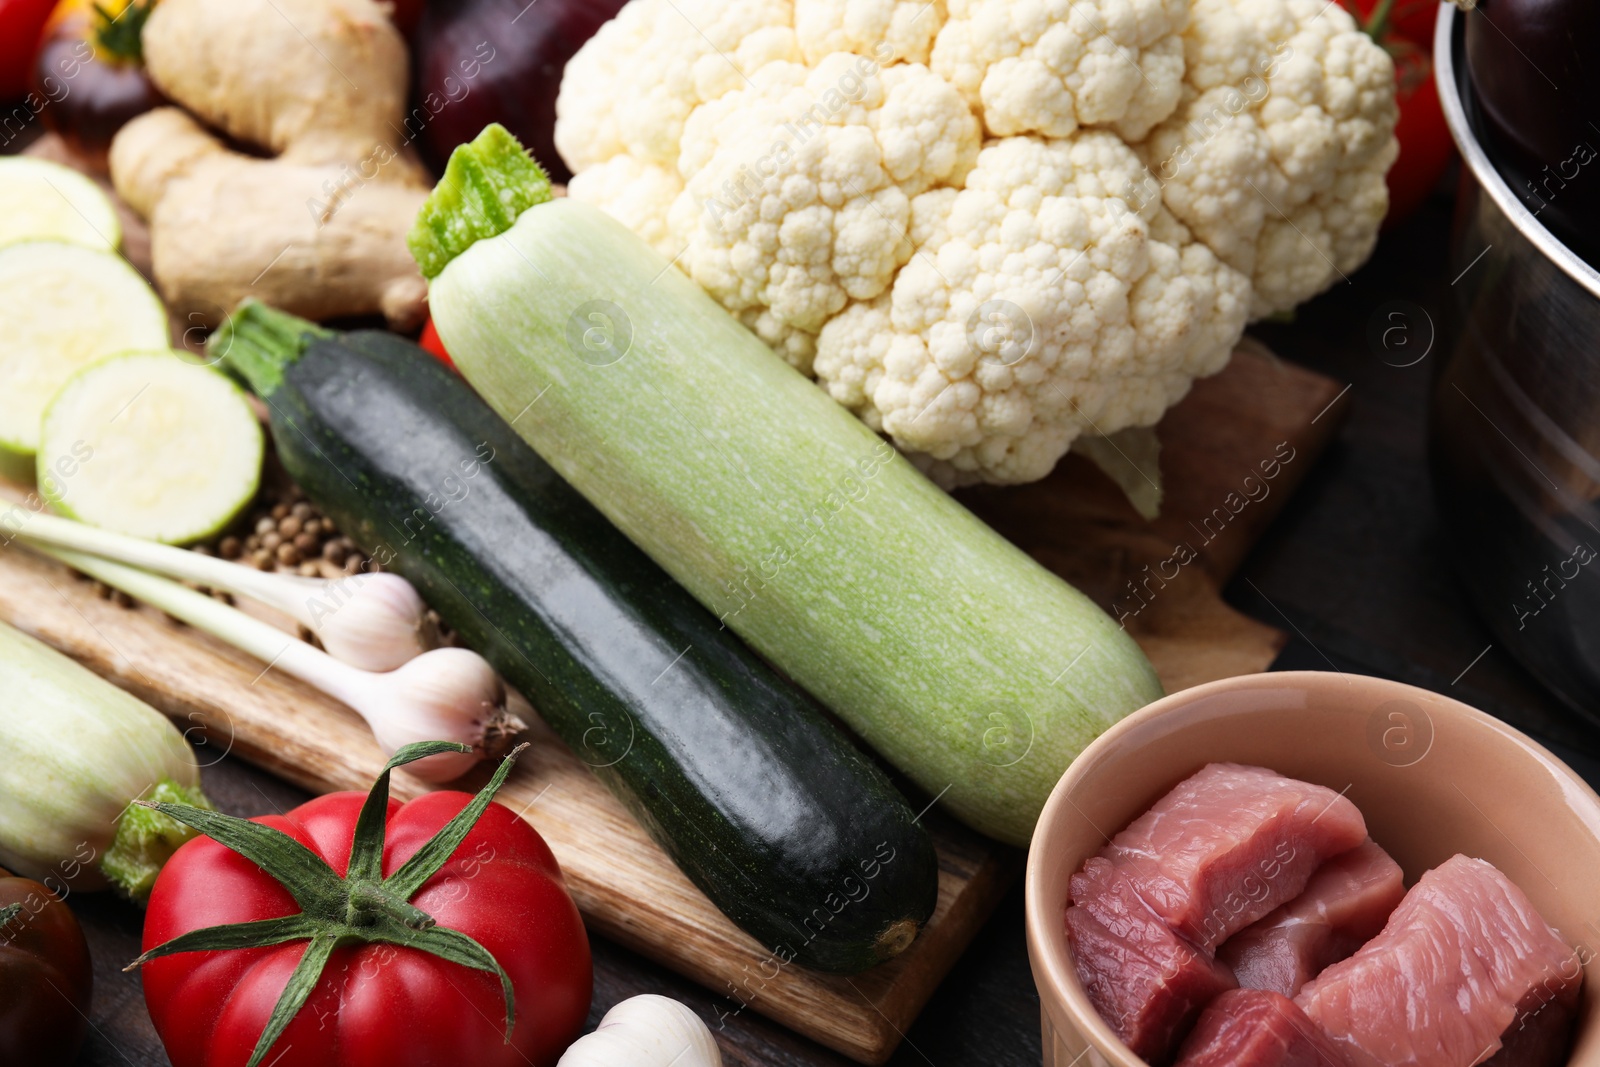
(631, 87)
(1050, 66)
(1044, 307)
(636, 194)
(1276, 156)
(799, 188)
(890, 31)
(797, 347)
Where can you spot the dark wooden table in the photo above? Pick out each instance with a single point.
(1354, 570)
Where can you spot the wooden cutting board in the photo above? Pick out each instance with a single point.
(1233, 451)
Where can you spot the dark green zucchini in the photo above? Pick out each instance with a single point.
(764, 804)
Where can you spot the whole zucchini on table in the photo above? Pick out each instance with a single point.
(964, 662)
(763, 803)
(75, 753)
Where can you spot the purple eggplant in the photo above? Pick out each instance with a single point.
(483, 61)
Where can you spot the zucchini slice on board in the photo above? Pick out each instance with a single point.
(45, 201)
(62, 306)
(766, 806)
(149, 444)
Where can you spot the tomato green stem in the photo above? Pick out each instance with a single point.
(122, 35)
(370, 903)
(361, 908)
(1377, 23)
(8, 914)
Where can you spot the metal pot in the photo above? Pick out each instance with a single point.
(1515, 419)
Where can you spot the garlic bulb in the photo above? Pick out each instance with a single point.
(372, 621)
(646, 1031)
(447, 694)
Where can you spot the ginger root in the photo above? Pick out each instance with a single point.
(319, 229)
(310, 81)
(224, 226)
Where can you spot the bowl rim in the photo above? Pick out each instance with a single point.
(1054, 976)
(1482, 167)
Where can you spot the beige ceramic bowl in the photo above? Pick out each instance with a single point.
(1432, 776)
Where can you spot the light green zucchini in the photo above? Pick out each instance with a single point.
(968, 665)
(77, 751)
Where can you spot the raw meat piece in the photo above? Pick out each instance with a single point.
(1344, 905)
(1144, 980)
(1542, 1033)
(1229, 844)
(1462, 964)
(1257, 1028)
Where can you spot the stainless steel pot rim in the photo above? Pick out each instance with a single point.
(1483, 169)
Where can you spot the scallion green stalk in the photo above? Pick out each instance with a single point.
(448, 693)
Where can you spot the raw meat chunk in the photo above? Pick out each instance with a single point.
(1229, 844)
(1144, 980)
(1257, 1028)
(1464, 966)
(1542, 1033)
(1344, 905)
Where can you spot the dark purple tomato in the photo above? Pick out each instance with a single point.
(46, 977)
(1537, 85)
(91, 71)
(483, 61)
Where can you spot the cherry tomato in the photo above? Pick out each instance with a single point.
(45, 977)
(430, 341)
(21, 23)
(376, 1002)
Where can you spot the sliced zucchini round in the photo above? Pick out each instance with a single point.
(48, 202)
(62, 306)
(150, 444)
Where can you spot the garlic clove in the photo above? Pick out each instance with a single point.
(447, 693)
(646, 1031)
(376, 622)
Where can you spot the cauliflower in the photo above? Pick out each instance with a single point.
(1050, 66)
(1041, 306)
(990, 227)
(795, 207)
(1276, 156)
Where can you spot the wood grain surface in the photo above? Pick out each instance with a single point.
(1161, 577)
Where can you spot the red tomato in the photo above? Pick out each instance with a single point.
(430, 341)
(21, 24)
(1411, 19)
(1406, 33)
(375, 1004)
